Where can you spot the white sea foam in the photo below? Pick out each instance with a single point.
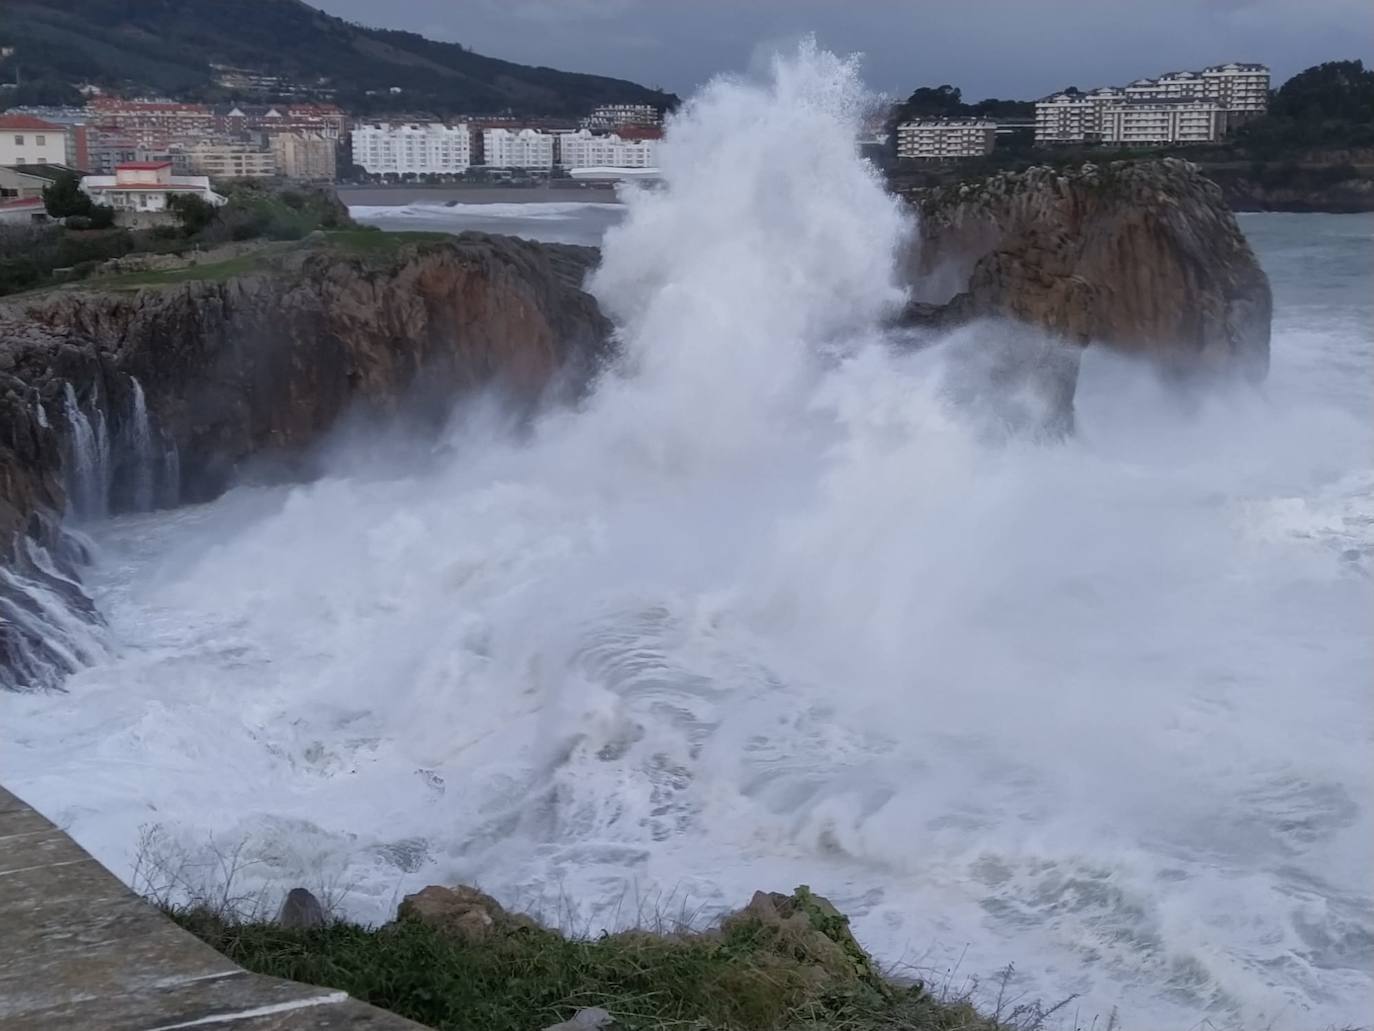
(439, 212)
(773, 607)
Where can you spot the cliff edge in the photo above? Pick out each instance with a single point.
(134, 391)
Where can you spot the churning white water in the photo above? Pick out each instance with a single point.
(775, 606)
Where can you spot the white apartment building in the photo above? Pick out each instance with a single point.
(527, 148)
(614, 116)
(1146, 123)
(412, 148)
(938, 139)
(584, 149)
(1208, 104)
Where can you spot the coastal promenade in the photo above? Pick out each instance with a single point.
(81, 952)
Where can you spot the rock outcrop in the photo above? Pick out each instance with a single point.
(1143, 257)
(156, 388)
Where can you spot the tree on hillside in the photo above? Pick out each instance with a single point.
(192, 211)
(1327, 106)
(934, 102)
(1336, 90)
(63, 197)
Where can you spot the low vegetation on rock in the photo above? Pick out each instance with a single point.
(455, 959)
(87, 241)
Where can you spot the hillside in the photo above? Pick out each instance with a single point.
(168, 47)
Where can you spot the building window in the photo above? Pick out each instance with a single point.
(42, 141)
(19, 141)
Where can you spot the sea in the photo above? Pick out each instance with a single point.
(778, 604)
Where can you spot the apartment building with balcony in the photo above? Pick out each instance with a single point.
(585, 149)
(411, 149)
(616, 116)
(223, 159)
(1177, 107)
(522, 148)
(945, 139)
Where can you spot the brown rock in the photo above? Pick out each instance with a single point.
(462, 911)
(1141, 257)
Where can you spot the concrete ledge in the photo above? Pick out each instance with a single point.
(79, 950)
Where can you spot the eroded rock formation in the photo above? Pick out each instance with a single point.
(1143, 257)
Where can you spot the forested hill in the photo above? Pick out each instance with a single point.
(168, 47)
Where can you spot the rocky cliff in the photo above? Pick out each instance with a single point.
(1144, 257)
(157, 387)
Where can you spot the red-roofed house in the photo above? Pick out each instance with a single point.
(138, 191)
(26, 140)
(22, 210)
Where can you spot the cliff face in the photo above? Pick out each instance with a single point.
(122, 396)
(268, 358)
(1142, 257)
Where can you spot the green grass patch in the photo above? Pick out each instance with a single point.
(376, 241)
(744, 977)
(209, 272)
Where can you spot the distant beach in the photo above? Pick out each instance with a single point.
(397, 196)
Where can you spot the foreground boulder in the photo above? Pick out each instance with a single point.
(463, 912)
(1143, 257)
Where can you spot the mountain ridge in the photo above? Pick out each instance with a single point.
(169, 47)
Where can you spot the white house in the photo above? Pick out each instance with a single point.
(527, 148)
(584, 149)
(25, 140)
(139, 190)
(412, 148)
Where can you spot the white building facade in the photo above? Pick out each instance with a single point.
(945, 139)
(526, 148)
(25, 140)
(1145, 123)
(1177, 107)
(585, 149)
(412, 148)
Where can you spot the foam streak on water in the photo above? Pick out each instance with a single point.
(772, 607)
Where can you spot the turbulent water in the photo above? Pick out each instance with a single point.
(778, 605)
(581, 222)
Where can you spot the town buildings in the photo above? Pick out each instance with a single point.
(616, 116)
(305, 156)
(945, 139)
(227, 159)
(151, 117)
(411, 149)
(139, 191)
(1177, 107)
(585, 149)
(523, 148)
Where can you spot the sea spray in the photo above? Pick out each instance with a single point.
(143, 454)
(771, 608)
(87, 461)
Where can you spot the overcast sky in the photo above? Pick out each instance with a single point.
(1009, 48)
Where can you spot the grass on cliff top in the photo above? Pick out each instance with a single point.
(375, 241)
(738, 979)
(361, 242)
